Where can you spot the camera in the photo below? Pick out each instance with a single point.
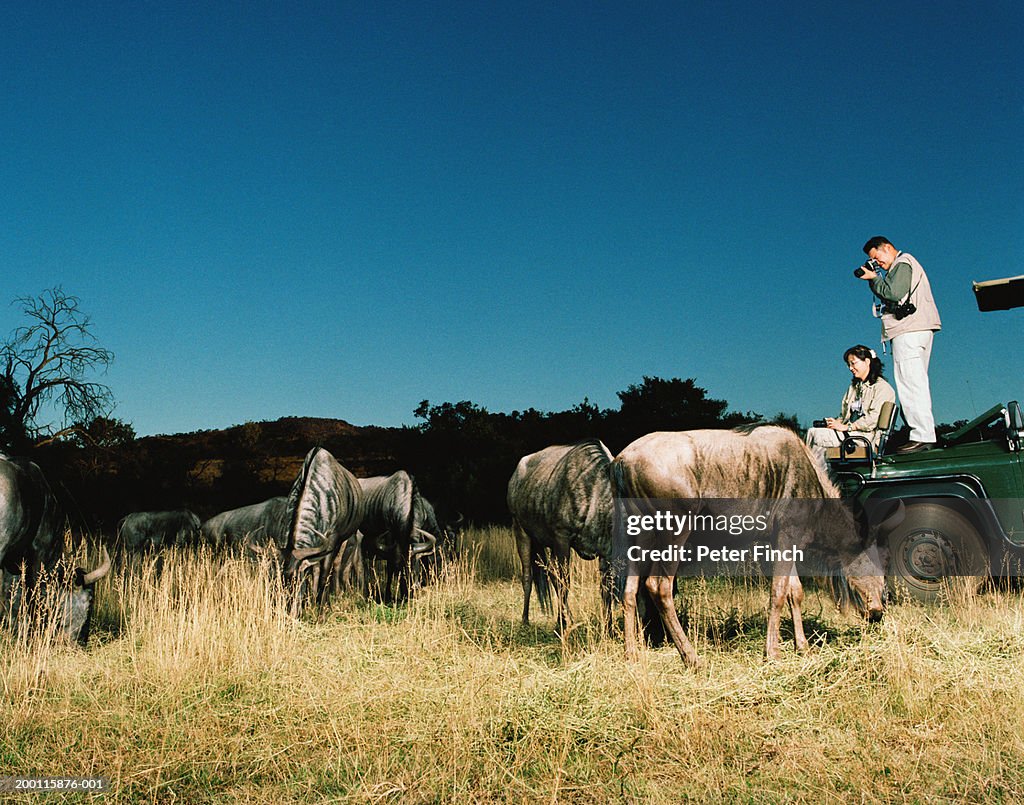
(869, 265)
(819, 423)
(901, 311)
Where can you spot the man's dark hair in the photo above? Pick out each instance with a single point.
(875, 242)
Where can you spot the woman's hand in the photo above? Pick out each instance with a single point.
(836, 424)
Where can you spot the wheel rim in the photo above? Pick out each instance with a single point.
(927, 556)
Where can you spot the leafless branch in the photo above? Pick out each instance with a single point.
(49, 364)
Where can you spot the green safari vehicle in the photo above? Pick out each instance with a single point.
(963, 500)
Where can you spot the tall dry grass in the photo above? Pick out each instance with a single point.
(198, 687)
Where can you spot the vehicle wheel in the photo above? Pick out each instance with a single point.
(933, 551)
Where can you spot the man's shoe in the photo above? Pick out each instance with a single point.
(914, 447)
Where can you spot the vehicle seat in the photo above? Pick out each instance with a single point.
(861, 447)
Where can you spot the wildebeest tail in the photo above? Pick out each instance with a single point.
(620, 544)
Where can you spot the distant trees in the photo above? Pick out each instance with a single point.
(47, 371)
(463, 455)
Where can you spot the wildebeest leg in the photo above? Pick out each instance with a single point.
(629, 617)
(660, 588)
(526, 560)
(348, 565)
(337, 569)
(796, 600)
(392, 565)
(322, 591)
(780, 589)
(607, 591)
(560, 578)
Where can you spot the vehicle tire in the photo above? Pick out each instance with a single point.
(934, 551)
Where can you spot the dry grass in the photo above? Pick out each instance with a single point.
(197, 687)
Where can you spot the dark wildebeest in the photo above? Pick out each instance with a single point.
(389, 528)
(31, 525)
(764, 463)
(31, 539)
(561, 498)
(72, 619)
(446, 537)
(260, 524)
(153, 531)
(325, 508)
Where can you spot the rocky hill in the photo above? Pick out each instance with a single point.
(275, 450)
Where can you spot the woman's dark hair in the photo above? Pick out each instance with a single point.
(865, 353)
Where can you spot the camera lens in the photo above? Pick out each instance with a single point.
(858, 272)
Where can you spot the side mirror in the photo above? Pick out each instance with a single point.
(1014, 425)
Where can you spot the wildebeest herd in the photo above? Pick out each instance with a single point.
(327, 533)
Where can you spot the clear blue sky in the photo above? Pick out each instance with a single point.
(340, 209)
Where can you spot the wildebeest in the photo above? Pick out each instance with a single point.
(389, 528)
(253, 526)
(325, 507)
(73, 605)
(31, 524)
(32, 538)
(156, 530)
(763, 463)
(446, 537)
(561, 498)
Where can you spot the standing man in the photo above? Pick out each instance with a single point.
(909, 320)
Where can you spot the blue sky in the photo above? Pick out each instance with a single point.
(340, 209)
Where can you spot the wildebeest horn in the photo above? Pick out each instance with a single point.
(894, 519)
(302, 554)
(257, 548)
(94, 576)
(425, 547)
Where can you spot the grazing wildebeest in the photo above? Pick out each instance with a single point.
(445, 537)
(389, 528)
(260, 524)
(72, 619)
(764, 463)
(32, 538)
(153, 531)
(325, 508)
(561, 498)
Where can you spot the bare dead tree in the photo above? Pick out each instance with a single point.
(46, 385)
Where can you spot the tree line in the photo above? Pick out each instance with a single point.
(54, 409)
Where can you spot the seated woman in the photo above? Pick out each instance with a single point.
(861, 404)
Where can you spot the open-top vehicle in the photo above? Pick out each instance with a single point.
(963, 499)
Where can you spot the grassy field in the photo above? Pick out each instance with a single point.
(198, 687)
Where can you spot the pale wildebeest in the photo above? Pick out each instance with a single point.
(764, 463)
(561, 499)
(31, 540)
(325, 508)
(153, 531)
(389, 528)
(250, 527)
